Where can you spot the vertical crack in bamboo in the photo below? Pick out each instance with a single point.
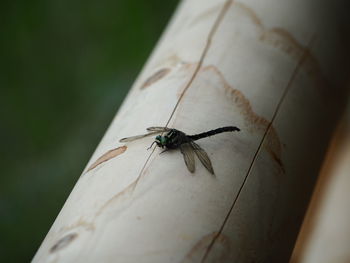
(218, 20)
(284, 94)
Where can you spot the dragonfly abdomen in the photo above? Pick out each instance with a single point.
(213, 132)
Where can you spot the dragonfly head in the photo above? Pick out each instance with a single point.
(161, 141)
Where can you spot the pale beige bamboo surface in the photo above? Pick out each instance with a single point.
(266, 67)
(325, 234)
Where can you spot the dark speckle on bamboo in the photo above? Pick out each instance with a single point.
(63, 242)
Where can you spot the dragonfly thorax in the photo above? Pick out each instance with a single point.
(171, 140)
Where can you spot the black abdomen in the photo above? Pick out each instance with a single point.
(213, 132)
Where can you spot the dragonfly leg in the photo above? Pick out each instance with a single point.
(164, 150)
(151, 145)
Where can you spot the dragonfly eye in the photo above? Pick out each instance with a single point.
(161, 140)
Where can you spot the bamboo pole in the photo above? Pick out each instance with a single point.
(263, 67)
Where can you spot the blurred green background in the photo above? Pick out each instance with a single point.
(65, 68)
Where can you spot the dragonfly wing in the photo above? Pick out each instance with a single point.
(132, 138)
(187, 152)
(203, 157)
(158, 129)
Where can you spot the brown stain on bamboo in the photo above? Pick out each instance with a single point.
(171, 60)
(206, 14)
(80, 223)
(188, 67)
(89, 226)
(63, 242)
(126, 192)
(107, 156)
(284, 41)
(222, 247)
(250, 13)
(253, 121)
(155, 77)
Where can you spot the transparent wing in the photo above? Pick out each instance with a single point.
(203, 157)
(158, 129)
(187, 151)
(132, 138)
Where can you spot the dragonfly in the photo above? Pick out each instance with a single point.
(171, 138)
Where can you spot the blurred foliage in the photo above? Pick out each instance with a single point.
(65, 68)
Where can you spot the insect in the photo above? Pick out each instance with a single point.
(175, 139)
